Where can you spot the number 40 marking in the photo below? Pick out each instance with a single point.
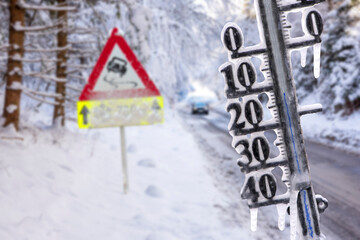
(267, 186)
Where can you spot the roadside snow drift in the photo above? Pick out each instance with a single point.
(67, 184)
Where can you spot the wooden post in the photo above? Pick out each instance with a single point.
(123, 160)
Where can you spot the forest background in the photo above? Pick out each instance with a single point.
(48, 49)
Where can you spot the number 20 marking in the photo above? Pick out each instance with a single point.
(253, 114)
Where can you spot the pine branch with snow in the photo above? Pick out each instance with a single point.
(337, 86)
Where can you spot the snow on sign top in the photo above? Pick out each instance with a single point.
(118, 74)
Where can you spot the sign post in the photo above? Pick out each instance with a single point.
(119, 93)
(123, 160)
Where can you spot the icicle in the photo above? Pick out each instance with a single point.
(293, 215)
(317, 51)
(253, 217)
(282, 209)
(303, 53)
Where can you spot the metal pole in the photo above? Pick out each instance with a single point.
(123, 160)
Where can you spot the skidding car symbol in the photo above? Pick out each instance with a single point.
(117, 65)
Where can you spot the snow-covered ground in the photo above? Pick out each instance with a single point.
(340, 132)
(67, 184)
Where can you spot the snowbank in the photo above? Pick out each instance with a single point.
(68, 185)
(340, 132)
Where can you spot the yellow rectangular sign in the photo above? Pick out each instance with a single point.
(120, 112)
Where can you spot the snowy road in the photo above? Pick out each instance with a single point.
(335, 175)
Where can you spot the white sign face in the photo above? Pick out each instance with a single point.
(118, 74)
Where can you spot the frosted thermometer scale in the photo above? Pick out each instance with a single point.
(250, 129)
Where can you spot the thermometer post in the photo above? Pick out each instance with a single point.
(248, 128)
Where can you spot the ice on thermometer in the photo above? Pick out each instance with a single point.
(250, 129)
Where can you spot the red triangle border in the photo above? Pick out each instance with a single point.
(149, 90)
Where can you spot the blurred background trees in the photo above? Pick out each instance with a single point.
(48, 49)
(338, 85)
(46, 57)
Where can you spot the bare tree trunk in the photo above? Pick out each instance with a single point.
(59, 111)
(330, 4)
(14, 69)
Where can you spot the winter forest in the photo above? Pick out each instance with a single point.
(59, 182)
(48, 49)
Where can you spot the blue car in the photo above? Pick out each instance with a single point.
(199, 107)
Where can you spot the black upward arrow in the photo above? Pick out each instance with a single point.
(85, 111)
(156, 105)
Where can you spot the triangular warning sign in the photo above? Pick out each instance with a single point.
(119, 91)
(118, 74)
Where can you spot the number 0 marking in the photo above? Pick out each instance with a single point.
(261, 149)
(267, 185)
(253, 112)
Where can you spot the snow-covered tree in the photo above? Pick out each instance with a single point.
(52, 57)
(14, 65)
(338, 83)
(248, 9)
(61, 63)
